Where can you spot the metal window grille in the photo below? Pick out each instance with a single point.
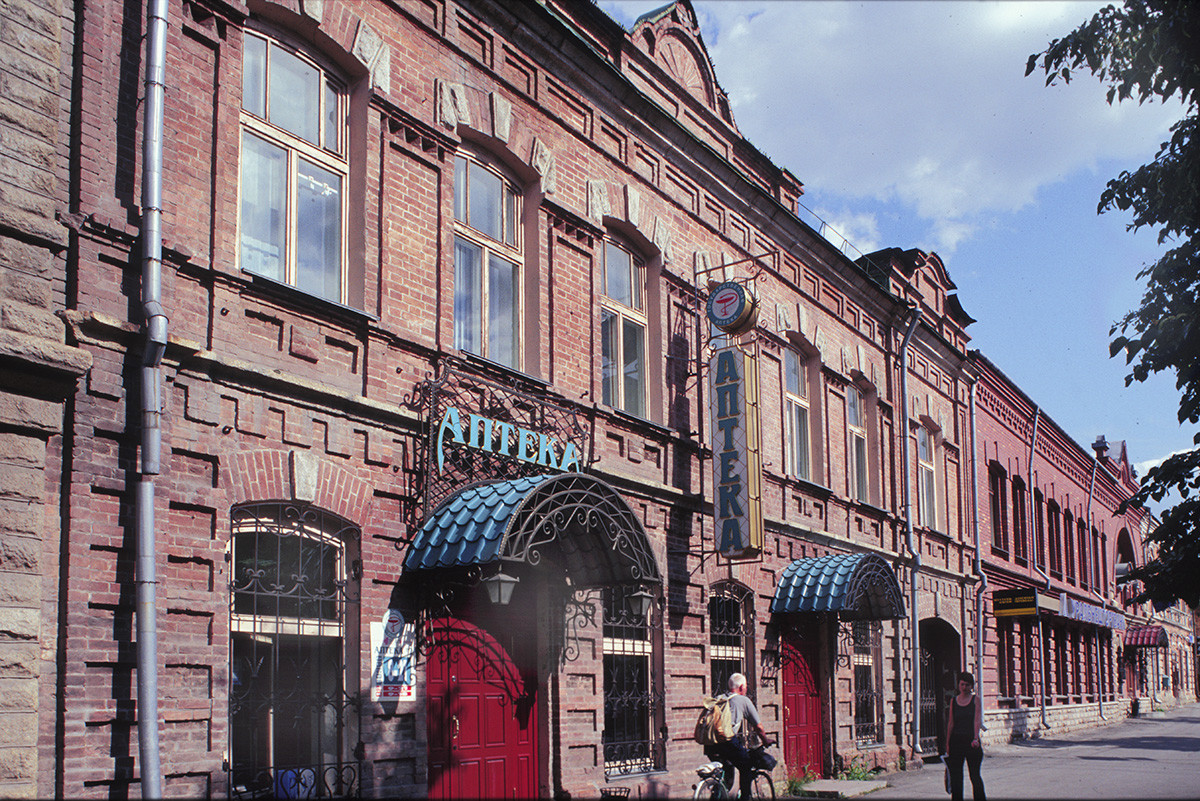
(291, 718)
(634, 737)
(866, 657)
(730, 635)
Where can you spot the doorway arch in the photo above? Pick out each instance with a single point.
(941, 661)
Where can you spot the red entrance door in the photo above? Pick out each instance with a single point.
(803, 747)
(482, 715)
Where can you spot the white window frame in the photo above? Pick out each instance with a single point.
(798, 423)
(623, 312)
(324, 154)
(927, 507)
(480, 336)
(857, 452)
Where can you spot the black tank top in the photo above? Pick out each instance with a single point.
(964, 724)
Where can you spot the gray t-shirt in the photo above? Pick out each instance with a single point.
(742, 708)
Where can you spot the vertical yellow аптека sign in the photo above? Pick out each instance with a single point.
(737, 458)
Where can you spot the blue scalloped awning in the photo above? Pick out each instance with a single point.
(468, 527)
(577, 520)
(859, 586)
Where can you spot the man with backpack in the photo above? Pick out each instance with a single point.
(744, 721)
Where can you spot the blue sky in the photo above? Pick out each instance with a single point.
(911, 124)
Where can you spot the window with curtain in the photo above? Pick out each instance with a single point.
(926, 478)
(796, 415)
(488, 262)
(291, 700)
(293, 170)
(623, 330)
(857, 444)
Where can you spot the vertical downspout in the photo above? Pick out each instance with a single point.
(1092, 559)
(913, 553)
(151, 400)
(1037, 414)
(983, 583)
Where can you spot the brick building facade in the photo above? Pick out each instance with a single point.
(436, 508)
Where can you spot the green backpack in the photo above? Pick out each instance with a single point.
(715, 724)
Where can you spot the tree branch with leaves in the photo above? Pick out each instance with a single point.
(1150, 50)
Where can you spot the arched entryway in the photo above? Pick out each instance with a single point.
(941, 651)
(843, 596)
(489, 563)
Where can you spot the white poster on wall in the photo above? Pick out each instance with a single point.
(393, 654)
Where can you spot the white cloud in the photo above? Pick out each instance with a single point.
(925, 104)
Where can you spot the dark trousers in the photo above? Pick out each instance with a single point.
(734, 754)
(954, 761)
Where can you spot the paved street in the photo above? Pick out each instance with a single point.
(1151, 757)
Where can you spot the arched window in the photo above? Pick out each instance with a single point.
(997, 481)
(1054, 515)
(623, 330)
(926, 478)
(1019, 515)
(731, 635)
(1082, 539)
(1069, 545)
(293, 614)
(1039, 528)
(795, 371)
(292, 207)
(488, 261)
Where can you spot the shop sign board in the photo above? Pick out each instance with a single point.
(505, 439)
(1015, 603)
(1084, 612)
(393, 657)
(737, 461)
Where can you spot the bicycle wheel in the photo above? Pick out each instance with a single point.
(763, 787)
(709, 788)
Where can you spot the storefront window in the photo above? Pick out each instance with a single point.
(729, 635)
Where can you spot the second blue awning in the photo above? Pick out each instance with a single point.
(857, 586)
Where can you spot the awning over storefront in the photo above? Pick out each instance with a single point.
(860, 586)
(1145, 637)
(575, 519)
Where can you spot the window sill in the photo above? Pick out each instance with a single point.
(812, 486)
(500, 372)
(304, 301)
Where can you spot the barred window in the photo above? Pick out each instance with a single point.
(291, 716)
(730, 635)
(292, 207)
(867, 661)
(633, 714)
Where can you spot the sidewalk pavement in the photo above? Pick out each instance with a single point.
(1154, 756)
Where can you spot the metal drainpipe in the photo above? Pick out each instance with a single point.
(914, 554)
(151, 400)
(1092, 560)
(983, 583)
(1037, 414)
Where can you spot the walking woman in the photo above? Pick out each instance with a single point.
(962, 738)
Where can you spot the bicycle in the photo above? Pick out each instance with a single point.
(712, 780)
